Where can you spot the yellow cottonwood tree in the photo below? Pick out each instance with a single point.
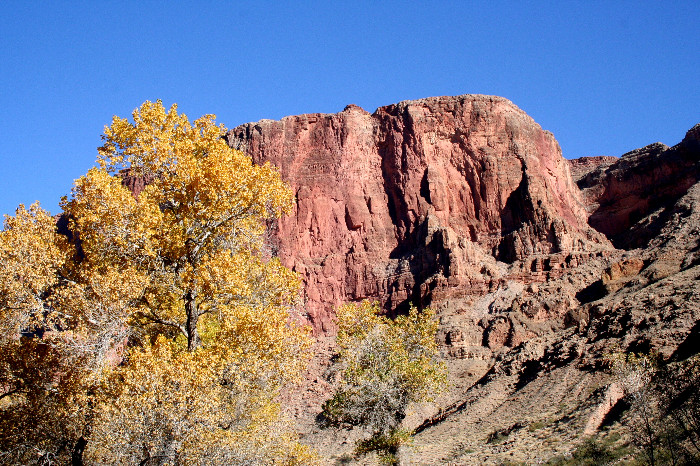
(42, 383)
(385, 366)
(31, 252)
(195, 231)
(175, 283)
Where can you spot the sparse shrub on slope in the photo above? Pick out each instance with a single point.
(664, 400)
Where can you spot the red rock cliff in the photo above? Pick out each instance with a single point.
(419, 201)
(630, 199)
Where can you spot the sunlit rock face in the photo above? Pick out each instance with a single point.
(419, 201)
(466, 204)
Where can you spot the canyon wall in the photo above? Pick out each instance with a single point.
(420, 201)
(622, 194)
(538, 267)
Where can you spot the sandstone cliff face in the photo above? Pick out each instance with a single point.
(543, 397)
(420, 201)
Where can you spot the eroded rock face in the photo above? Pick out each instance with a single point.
(466, 204)
(421, 201)
(582, 166)
(642, 300)
(135, 183)
(629, 200)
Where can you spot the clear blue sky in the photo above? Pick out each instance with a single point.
(604, 77)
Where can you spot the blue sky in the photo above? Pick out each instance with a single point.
(604, 77)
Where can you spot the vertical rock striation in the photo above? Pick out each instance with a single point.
(419, 201)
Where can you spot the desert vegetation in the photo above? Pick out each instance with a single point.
(663, 407)
(384, 366)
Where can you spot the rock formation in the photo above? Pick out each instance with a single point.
(621, 196)
(466, 204)
(584, 165)
(420, 201)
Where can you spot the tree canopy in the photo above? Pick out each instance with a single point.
(157, 328)
(386, 365)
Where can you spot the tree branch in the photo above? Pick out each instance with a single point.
(153, 317)
(11, 392)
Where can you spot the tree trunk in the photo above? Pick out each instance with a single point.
(193, 340)
(77, 456)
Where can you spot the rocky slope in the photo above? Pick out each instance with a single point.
(466, 204)
(542, 398)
